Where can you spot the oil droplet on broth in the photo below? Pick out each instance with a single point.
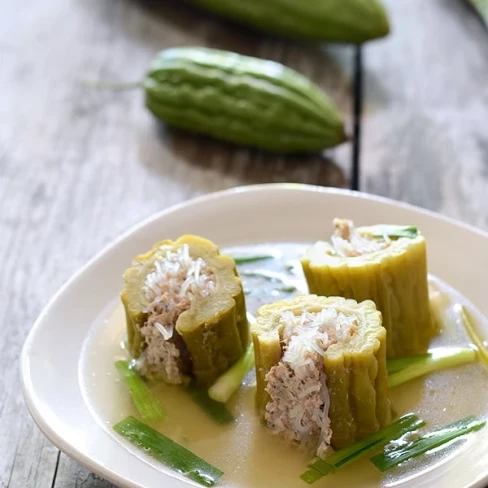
(249, 455)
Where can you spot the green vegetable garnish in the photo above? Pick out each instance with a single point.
(322, 467)
(146, 403)
(391, 231)
(215, 410)
(394, 365)
(464, 317)
(287, 289)
(251, 258)
(168, 452)
(229, 382)
(401, 370)
(436, 438)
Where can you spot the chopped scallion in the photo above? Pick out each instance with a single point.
(230, 381)
(392, 231)
(322, 467)
(252, 258)
(397, 364)
(168, 452)
(146, 403)
(405, 451)
(464, 317)
(215, 410)
(405, 369)
(287, 289)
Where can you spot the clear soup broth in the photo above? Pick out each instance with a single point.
(249, 455)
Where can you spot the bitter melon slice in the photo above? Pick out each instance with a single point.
(348, 384)
(392, 271)
(177, 333)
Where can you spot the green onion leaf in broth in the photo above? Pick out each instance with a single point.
(168, 452)
(144, 400)
(391, 231)
(322, 467)
(408, 450)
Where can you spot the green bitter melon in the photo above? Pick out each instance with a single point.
(212, 333)
(355, 370)
(353, 21)
(241, 99)
(394, 277)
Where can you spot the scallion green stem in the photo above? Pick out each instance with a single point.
(146, 403)
(397, 364)
(252, 258)
(230, 381)
(168, 452)
(322, 467)
(286, 289)
(392, 231)
(463, 316)
(215, 410)
(405, 369)
(427, 442)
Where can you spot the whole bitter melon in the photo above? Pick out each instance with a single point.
(353, 21)
(241, 99)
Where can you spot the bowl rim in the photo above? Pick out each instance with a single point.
(26, 385)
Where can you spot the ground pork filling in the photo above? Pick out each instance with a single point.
(176, 281)
(297, 385)
(348, 242)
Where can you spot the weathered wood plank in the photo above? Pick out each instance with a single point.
(71, 475)
(426, 110)
(79, 166)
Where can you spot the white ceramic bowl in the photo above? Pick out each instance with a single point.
(264, 213)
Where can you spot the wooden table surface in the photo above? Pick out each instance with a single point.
(79, 166)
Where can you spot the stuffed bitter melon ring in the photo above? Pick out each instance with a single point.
(321, 370)
(185, 311)
(386, 264)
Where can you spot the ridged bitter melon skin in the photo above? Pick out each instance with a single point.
(395, 278)
(242, 100)
(215, 329)
(353, 21)
(356, 374)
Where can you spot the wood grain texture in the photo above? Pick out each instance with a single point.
(79, 166)
(426, 110)
(71, 475)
